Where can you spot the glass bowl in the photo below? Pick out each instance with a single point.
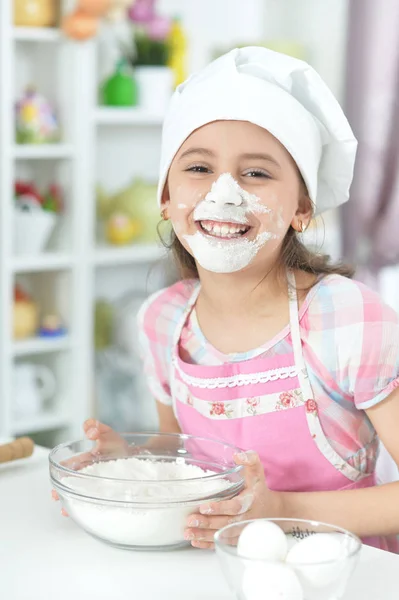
(304, 578)
(145, 513)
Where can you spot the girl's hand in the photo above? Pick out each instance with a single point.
(107, 442)
(256, 501)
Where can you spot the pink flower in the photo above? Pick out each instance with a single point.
(217, 408)
(253, 402)
(142, 11)
(311, 406)
(158, 28)
(286, 399)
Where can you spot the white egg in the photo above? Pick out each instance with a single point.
(263, 540)
(291, 541)
(272, 581)
(311, 552)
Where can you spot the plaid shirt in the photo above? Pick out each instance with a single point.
(350, 343)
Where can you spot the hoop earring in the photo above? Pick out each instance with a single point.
(302, 227)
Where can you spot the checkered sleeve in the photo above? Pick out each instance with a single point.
(157, 321)
(368, 341)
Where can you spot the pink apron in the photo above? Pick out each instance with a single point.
(266, 405)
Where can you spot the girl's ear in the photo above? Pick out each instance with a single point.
(165, 203)
(303, 215)
(165, 196)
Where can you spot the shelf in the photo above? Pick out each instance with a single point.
(37, 34)
(140, 253)
(42, 422)
(40, 346)
(50, 261)
(127, 116)
(42, 151)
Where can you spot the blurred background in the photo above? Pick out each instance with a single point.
(83, 90)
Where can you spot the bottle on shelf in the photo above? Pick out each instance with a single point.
(178, 51)
(121, 88)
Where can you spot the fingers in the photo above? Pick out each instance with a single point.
(108, 440)
(200, 538)
(212, 523)
(56, 497)
(253, 472)
(214, 516)
(79, 461)
(253, 475)
(205, 538)
(94, 429)
(203, 545)
(236, 506)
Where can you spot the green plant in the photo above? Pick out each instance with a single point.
(148, 52)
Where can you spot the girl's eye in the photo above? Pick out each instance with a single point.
(198, 169)
(257, 173)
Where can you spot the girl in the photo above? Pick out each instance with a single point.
(264, 344)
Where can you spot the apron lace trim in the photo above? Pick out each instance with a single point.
(238, 380)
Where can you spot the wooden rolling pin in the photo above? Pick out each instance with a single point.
(19, 448)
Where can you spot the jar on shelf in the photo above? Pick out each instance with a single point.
(35, 13)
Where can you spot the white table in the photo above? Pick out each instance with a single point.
(44, 556)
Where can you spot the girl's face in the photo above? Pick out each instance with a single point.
(232, 193)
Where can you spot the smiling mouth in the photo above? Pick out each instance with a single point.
(223, 230)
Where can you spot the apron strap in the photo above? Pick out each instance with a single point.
(175, 344)
(303, 377)
(179, 327)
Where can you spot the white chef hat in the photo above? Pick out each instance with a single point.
(281, 94)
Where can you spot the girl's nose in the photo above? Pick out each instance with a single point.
(225, 191)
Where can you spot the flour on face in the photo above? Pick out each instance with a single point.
(220, 245)
(227, 256)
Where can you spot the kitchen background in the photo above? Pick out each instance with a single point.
(83, 90)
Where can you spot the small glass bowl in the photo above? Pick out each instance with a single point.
(142, 514)
(250, 579)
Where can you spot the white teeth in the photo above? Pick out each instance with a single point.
(225, 229)
(236, 229)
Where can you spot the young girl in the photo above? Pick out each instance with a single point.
(264, 344)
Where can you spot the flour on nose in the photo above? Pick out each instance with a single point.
(226, 190)
(228, 201)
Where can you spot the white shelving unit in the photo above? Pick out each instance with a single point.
(57, 277)
(126, 116)
(48, 261)
(75, 269)
(43, 152)
(34, 346)
(36, 34)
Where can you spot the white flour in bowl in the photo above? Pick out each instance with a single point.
(129, 525)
